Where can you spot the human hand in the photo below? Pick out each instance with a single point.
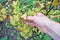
(44, 24)
(39, 21)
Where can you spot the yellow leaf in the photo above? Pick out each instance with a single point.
(23, 29)
(14, 11)
(19, 28)
(37, 9)
(12, 21)
(0, 5)
(31, 13)
(3, 10)
(24, 16)
(4, 16)
(24, 35)
(16, 17)
(14, 3)
(30, 33)
(55, 3)
(1, 19)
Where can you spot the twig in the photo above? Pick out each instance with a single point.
(49, 10)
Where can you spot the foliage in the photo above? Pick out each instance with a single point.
(5, 38)
(1, 1)
(55, 3)
(16, 10)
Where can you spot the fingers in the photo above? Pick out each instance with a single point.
(30, 17)
(30, 23)
(40, 14)
(29, 20)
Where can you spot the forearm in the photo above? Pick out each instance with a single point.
(54, 29)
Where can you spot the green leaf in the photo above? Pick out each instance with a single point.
(12, 21)
(1, 19)
(1, 1)
(4, 38)
(47, 37)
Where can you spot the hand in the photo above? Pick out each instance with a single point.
(45, 25)
(39, 21)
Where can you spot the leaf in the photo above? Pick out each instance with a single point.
(46, 37)
(14, 3)
(1, 1)
(55, 3)
(9, 0)
(1, 19)
(31, 13)
(12, 21)
(16, 17)
(19, 37)
(41, 5)
(14, 11)
(35, 38)
(4, 16)
(4, 38)
(43, 11)
(37, 9)
(24, 16)
(0, 5)
(3, 10)
(24, 35)
(8, 26)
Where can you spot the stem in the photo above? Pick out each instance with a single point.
(49, 10)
